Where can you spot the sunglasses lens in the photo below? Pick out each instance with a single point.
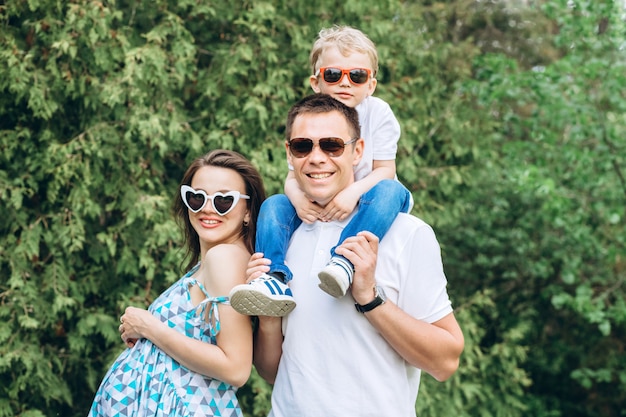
(358, 76)
(332, 146)
(300, 147)
(194, 201)
(332, 75)
(223, 203)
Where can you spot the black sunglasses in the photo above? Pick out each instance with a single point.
(334, 75)
(301, 147)
(195, 200)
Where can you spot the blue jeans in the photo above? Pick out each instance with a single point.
(278, 220)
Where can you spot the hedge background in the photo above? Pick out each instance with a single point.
(514, 124)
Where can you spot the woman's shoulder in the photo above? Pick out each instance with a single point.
(225, 267)
(228, 252)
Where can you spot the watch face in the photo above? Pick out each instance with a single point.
(380, 292)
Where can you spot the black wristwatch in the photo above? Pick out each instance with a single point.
(379, 299)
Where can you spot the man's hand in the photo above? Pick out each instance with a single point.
(257, 266)
(362, 251)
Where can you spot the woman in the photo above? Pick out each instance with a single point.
(190, 350)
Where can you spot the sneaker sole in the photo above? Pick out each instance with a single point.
(253, 303)
(330, 286)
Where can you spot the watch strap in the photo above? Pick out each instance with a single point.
(377, 301)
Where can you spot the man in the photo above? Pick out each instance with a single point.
(360, 355)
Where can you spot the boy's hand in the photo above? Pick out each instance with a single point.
(307, 210)
(341, 206)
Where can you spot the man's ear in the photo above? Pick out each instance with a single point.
(359, 145)
(288, 153)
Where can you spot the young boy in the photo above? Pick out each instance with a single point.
(344, 65)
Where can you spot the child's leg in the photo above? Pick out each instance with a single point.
(377, 210)
(277, 222)
(268, 295)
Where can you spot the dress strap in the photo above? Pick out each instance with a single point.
(214, 313)
(212, 302)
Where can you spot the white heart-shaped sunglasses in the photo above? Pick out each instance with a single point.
(222, 203)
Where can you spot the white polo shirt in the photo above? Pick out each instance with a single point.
(334, 363)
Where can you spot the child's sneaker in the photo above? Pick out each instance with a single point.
(263, 296)
(336, 277)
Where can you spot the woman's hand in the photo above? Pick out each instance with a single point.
(134, 324)
(257, 265)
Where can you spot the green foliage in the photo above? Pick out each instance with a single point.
(255, 396)
(486, 358)
(513, 146)
(546, 230)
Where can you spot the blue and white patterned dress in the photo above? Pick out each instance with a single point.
(144, 381)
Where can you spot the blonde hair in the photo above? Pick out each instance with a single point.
(347, 39)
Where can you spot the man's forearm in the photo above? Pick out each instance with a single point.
(434, 348)
(268, 345)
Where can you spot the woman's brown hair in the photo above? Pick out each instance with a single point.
(254, 188)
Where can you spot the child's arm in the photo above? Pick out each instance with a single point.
(344, 203)
(307, 210)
